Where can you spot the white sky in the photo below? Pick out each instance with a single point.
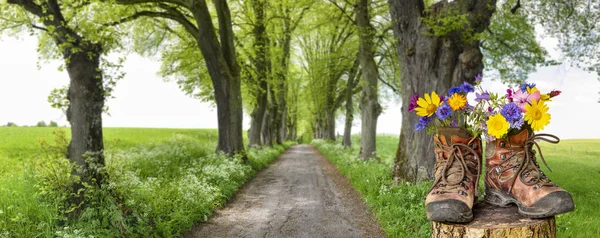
(144, 100)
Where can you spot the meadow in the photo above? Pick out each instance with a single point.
(162, 181)
(399, 208)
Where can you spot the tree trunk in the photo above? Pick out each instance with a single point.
(369, 105)
(496, 222)
(86, 102)
(221, 63)
(260, 65)
(430, 63)
(350, 85)
(349, 114)
(256, 119)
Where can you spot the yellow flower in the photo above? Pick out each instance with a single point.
(457, 101)
(545, 98)
(532, 90)
(536, 114)
(428, 105)
(497, 126)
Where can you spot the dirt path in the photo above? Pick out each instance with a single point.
(300, 195)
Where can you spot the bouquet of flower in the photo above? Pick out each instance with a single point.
(497, 116)
(493, 115)
(443, 111)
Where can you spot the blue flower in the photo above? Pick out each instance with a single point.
(512, 113)
(467, 87)
(517, 124)
(444, 111)
(423, 121)
(453, 90)
(525, 85)
(482, 97)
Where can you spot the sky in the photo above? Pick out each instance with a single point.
(143, 99)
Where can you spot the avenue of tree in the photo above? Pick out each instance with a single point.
(296, 66)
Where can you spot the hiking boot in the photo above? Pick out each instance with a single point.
(513, 176)
(457, 171)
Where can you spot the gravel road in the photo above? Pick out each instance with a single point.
(301, 194)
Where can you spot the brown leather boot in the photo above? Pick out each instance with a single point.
(514, 176)
(457, 171)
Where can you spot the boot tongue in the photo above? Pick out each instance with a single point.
(519, 137)
(455, 134)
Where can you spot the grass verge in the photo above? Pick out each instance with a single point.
(157, 187)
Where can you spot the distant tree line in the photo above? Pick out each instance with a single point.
(39, 124)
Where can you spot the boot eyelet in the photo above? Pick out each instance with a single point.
(503, 157)
(461, 192)
(535, 187)
(467, 179)
(502, 144)
(497, 169)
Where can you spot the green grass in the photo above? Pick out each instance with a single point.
(165, 180)
(400, 208)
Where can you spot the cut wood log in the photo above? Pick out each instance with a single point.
(494, 222)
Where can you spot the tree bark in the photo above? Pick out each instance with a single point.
(260, 65)
(429, 63)
(496, 222)
(222, 66)
(86, 102)
(369, 105)
(350, 85)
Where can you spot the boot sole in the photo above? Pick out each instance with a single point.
(449, 210)
(554, 203)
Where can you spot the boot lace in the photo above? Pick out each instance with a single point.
(527, 164)
(456, 165)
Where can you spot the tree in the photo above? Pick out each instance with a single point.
(442, 44)
(41, 124)
(438, 50)
(11, 124)
(53, 124)
(369, 104)
(218, 52)
(81, 40)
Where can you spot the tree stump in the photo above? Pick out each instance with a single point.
(493, 222)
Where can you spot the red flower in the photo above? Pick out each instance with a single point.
(554, 93)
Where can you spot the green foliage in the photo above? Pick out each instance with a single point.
(448, 21)
(161, 182)
(41, 124)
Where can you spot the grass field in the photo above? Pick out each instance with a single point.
(165, 180)
(400, 208)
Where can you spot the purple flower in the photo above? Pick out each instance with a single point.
(509, 95)
(413, 102)
(482, 97)
(525, 85)
(423, 121)
(442, 98)
(512, 113)
(490, 111)
(467, 87)
(468, 107)
(453, 90)
(454, 123)
(478, 79)
(444, 111)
